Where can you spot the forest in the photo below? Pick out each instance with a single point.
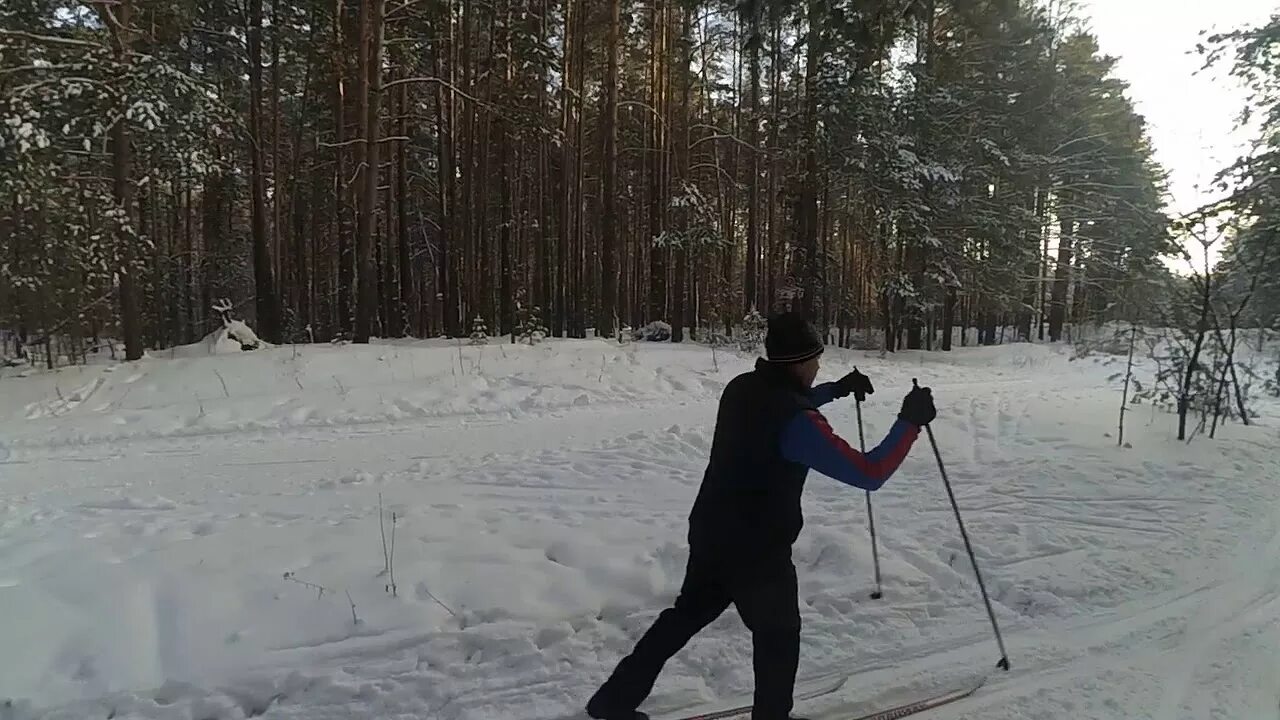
(908, 173)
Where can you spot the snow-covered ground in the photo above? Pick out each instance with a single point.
(166, 527)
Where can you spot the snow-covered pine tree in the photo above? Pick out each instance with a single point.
(479, 331)
(529, 328)
(754, 328)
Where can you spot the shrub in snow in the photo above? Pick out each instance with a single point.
(529, 328)
(656, 331)
(754, 327)
(1116, 344)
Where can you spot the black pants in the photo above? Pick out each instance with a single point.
(765, 595)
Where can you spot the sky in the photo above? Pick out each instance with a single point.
(1192, 117)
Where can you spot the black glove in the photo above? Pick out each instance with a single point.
(854, 383)
(917, 407)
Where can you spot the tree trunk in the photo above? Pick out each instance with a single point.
(1193, 361)
(267, 302)
(751, 273)
(658, 150)
(407, 303)
(1062, 272)
(283, 261)
(563, 251)
(122, 191)
(189, 271)
(773, 251)
(509, 210)
(578, 261)
(809, 261)
(342, 230)
(301, 278)
(370, 92)
(948, 318)
(447, 177)
(680, 292)
(608, 307)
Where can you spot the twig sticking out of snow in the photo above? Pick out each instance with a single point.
(225, 391)
(355, 620)
(320, 589)
(391, 561)
(437, 600)
(388, 554)
(382, 528)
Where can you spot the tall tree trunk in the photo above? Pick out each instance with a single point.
(267, 301)
(122, 191)
(658, 149)
(283, 260)
(608, 306)
(370, 92)
(545, 207)
(447, 282)
(751, 273)
(1062, 272)
(342, 228)
(1193, 360)
(407, 303)
(578, 262)
(808, 220)
(189, 271)
(773, 250)
(389, 323)
(301, 277)
(563, 252)
(680, 292)
(509, 207)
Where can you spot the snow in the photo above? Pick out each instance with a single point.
(165, 527)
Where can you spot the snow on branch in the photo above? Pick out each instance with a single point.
(49, 39)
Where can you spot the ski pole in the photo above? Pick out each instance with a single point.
(1004, 656)
(871, 518)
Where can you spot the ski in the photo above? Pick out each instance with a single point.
(919, 706)
(824, 688)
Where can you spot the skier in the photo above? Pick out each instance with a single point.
(747, 515)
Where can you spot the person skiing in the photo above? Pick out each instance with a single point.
(768, 435)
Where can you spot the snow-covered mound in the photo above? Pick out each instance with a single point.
(202, 536)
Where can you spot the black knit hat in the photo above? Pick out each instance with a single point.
(791, 339)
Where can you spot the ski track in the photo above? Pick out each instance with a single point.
(1124, 584)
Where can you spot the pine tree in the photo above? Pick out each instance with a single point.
(479, 332)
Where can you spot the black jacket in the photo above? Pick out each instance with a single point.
(748, 507)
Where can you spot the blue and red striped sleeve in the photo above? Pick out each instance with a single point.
(809, 440)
